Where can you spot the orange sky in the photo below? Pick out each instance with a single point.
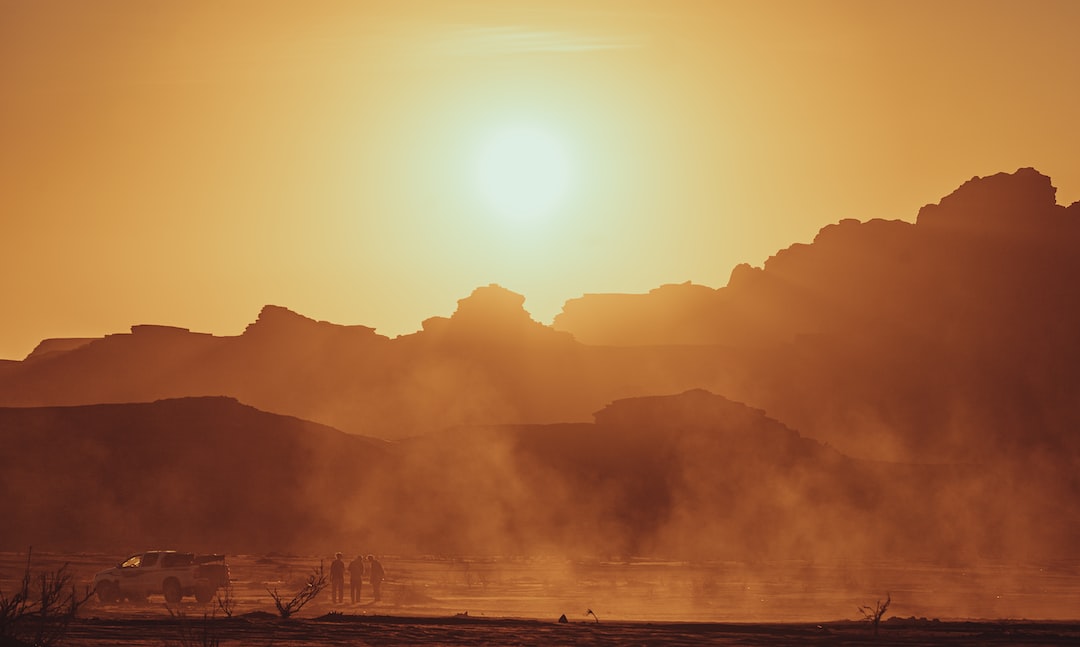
(185, 163)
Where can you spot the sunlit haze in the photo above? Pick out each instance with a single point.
(619, 322)
(522, 172)
(372, 163)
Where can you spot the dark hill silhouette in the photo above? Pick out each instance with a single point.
(489, 362)
(490, 316)
(58, 346)
(1003, 227)
(949, 339)
(692, 475)
(205, 472)
(284, 361)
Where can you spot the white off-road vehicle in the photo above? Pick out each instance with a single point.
(168, 572)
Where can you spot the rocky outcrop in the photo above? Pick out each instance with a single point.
(1001, 203)
(858, 274)
(887, 339)
(276, 321)
(59, 345)
(491, 315)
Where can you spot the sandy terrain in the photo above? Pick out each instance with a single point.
(435, 600)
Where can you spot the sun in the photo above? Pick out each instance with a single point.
(522, 172)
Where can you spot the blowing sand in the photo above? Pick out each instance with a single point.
(443, 600)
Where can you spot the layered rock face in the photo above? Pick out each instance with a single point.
(948, 344)
(951, 338)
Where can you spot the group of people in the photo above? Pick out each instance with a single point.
(357, 571)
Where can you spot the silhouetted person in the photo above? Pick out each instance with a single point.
(337, 579)
(356, 578)
(375, 576)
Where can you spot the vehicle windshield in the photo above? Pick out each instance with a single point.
(132, 562)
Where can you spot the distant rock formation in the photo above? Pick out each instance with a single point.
(696, 409)
(162, 331)
(282, 323)
(58, 345)
(857, 274)
(949, 339)
(209, 473)
(687, 476)
(667, 314)
(1002, 203)
(490, 316)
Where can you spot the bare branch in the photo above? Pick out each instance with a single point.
(873, 614)
(41, 614)
(316, 582)
(225, 600)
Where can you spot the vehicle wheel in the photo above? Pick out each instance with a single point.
(204, 593)
(107, 591)
(172, 590)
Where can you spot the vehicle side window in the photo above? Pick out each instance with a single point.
(172, 560)
(149, 559)
(132, 562)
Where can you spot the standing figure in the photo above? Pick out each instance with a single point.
(356, 575)
(337, 579)
(375, 576)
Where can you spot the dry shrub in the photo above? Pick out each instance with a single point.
(316, 582)
(39, 610)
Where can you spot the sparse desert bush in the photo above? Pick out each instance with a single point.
(39, 610)
(316, 582)
(873, 614)
(226, 600)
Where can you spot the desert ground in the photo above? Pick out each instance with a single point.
(460, 600)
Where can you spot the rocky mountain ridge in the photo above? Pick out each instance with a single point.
(948, 339)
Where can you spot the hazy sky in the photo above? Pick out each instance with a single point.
(185, 163)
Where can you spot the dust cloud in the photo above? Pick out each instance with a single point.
(689, 476)
(893, 393)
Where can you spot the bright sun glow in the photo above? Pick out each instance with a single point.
(522, 172)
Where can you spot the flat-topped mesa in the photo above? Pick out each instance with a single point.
(694, 409)
(58, 345)
(699, 411)
(638, 319)
(158, 330)
(276, 321)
